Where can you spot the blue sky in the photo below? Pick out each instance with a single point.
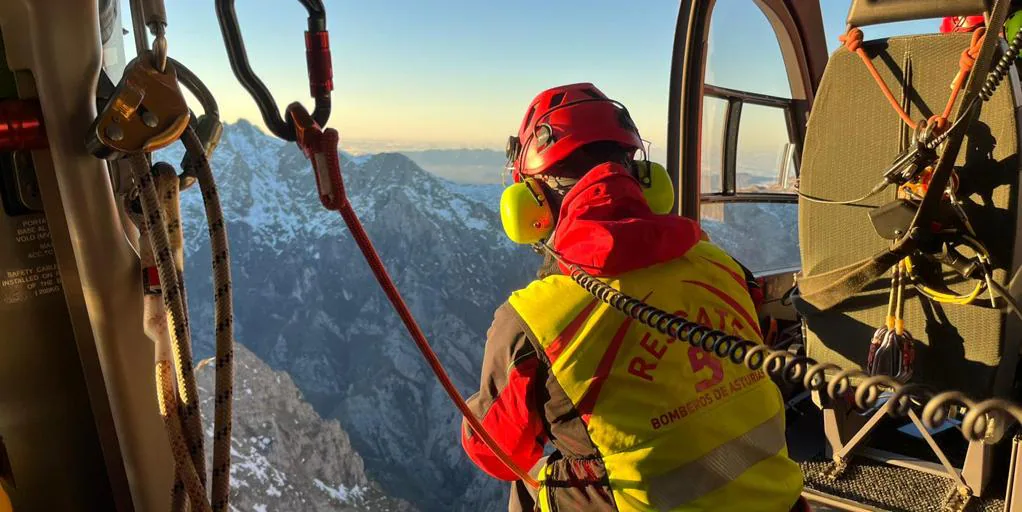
(459, 73)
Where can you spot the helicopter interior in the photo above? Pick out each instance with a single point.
(82, 428)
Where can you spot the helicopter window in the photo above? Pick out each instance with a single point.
(748, 146)
(742, 51)
(763, 145)
(714, 112)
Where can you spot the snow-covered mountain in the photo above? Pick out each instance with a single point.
(284, 455)
(461, 165)
(307, 304)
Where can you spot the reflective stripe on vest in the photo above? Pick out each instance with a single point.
(716, 469)
(659, 410)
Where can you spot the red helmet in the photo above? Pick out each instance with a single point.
(562, 119)
(961, 23)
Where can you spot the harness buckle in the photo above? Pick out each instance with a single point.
(320, 147)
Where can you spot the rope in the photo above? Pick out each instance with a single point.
(965, 65)
(224, 320)
(852, 39)
(178, 443)
(390, 289)
(156, 228)
(156, 326)
(168, 188)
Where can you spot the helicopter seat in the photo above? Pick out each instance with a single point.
(853, 136)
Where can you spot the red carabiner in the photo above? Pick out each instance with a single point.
(320, 147)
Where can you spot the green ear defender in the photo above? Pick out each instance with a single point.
(525, 212)
(656, 186)
(1012, 25)
(527, 216)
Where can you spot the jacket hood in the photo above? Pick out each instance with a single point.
(606, 227)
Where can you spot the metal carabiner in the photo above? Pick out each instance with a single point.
(320, 147)
(317, 51)
(207, 126)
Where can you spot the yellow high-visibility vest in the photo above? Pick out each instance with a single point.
(677, 428)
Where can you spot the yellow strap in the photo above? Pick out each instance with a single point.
(943, 297)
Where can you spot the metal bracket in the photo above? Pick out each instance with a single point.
(957, 499)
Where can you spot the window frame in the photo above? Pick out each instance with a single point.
(801, 37)
(735, 100)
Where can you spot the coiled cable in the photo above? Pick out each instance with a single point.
(797, 369)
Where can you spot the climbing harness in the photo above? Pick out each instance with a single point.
(147, 112)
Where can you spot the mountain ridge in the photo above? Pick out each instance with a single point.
(306, 303)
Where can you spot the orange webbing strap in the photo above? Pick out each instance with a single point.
(852, 39)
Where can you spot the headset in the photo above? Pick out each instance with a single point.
(526, 211)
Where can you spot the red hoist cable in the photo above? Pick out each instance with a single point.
(320, 147)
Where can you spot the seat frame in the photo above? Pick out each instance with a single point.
(847, 433)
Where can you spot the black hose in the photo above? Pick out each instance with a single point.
(794, 368)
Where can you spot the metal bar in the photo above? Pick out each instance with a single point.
(138, 28)
(793, 138)
(903, 461)
(951, 470)
(750, 197)
(869, 12)
(98, 273)
(747, 97)
(821, 498)
(730, 154)
(1012, 494)
(686, 98)
(861, 434)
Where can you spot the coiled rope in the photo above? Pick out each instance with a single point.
(163, 249)
(157, 324)
(223, 319)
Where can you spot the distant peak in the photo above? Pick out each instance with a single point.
(395, 166)
(248, 129)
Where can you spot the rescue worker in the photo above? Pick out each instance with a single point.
(637, 421)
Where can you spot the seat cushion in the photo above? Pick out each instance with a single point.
(853, 136)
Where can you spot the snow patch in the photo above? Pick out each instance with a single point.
(341, 493)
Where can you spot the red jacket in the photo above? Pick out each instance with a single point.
(606, 227)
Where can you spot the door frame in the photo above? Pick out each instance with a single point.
(801, 37)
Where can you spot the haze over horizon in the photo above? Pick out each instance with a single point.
(410, 75)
